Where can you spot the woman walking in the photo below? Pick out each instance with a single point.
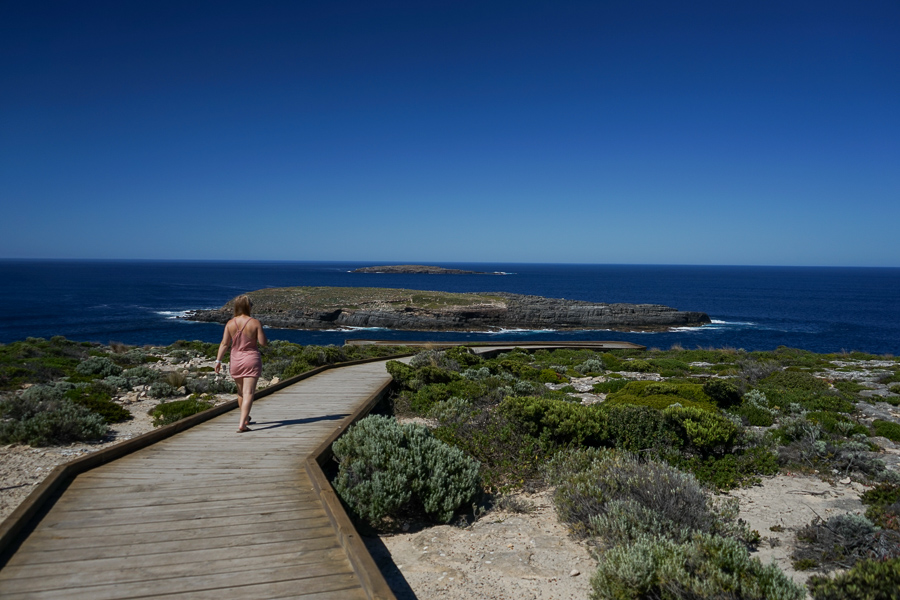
(244, 335)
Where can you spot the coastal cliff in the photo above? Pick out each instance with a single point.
(416, 310)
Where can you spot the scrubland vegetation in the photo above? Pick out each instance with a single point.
(58, 391)
(637, 445)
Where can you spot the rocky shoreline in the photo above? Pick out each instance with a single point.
(415, 310)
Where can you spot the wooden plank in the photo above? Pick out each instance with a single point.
(35, 554)
(139, 572)
(119, 563)
(140, 533)
(204, 582)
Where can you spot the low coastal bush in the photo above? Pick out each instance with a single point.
(165, 413)
(706, 567)
(385, 468)
(616, 496)
(724, 393)
(660, 394)
(210, 384)
(867, 580)
(98, 366)
(887, 429)
(613, 385)
(883, 503)
(842, 541)
(141, 375)
(510, 458)
(42, 422)
(99, 402)
(37, 360)
(754, 410)
(161, 389)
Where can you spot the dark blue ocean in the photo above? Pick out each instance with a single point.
(755, 308)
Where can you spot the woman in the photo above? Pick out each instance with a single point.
(244, 335)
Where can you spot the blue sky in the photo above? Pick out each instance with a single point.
(762, 133)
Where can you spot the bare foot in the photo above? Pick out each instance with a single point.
(243, 429)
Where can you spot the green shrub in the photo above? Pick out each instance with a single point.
(296, 367)
(836, 423)
(562, 423)
(661, 394)
(421, 401)
(754, 410)
(867, 580)
(724, 393)
(385, 467)
(637, 365)
(550, 376)
(463, 357)
(99, 402)
(613, 385)
(415, 378)
(886, 429)
(849, 387)
(703, 431)
(669, 367)
(884, 505)
(99, 366)
(168, 412)
(638, 429)
(733, 470)
(707, 567)
(509, 457)
(44, 422)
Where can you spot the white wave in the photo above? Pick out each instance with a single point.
(173, 314)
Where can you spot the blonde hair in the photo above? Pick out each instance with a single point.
(242, 305)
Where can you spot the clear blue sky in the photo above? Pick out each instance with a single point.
(710, 132)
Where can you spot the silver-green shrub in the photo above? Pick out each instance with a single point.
(141, 375)
(385, 468)
(591, 365)
(706, 567)
(450, 410)
(98, 365)
(44, 421)
(611, 494)
(434, 358)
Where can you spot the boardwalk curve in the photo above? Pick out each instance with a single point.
(210, 513)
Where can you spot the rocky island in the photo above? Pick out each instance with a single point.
(417, 310)
(418, 270)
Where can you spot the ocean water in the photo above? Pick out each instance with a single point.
(755, 308)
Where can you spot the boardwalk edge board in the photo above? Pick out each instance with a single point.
(32, 506)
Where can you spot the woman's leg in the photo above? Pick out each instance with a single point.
(249, 388)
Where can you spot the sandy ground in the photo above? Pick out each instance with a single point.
(502, 556)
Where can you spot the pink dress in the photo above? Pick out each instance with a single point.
(245, 359)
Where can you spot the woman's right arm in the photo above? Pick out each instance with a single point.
(223, 346)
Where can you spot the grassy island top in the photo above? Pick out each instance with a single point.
(330, 298)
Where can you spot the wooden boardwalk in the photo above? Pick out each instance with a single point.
(207, 513)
